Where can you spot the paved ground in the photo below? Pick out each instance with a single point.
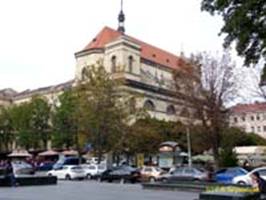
(85, 190)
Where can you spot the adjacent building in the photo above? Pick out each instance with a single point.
(249, 117)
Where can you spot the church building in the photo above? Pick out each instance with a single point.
(146, 69)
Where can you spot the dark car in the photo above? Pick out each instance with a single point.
(185, 174)
(45, 166)
(122, 174)
(226, 175)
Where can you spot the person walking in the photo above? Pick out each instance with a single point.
(260, 183)
(10, 174)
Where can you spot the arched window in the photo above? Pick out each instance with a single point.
(130, 64)
(170, 110)
(113, 66)
(149, 105)
(83, 74)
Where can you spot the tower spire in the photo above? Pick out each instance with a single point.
(121, 20)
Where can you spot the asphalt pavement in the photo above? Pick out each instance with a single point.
(91, 190)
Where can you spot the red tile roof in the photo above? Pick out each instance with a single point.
(149, 52)
(247, 108)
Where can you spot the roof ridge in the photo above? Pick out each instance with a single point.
(148, 51)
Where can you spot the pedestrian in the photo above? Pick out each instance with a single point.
(260, 183)
(10, 174)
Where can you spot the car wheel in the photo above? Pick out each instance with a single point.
(88, 176)
(152, 179)
(68, 177)
(241, 183)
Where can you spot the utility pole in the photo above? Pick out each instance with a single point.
(189, 147)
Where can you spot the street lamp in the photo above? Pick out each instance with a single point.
(189, 147)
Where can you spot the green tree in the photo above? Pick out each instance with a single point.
(40, 119)
(244, 24)
(103, 111)
(147, 134)
(64, 120)
(20, 115)
(30, 122)
(6, 130)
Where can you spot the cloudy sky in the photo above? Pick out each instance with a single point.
(38, 38)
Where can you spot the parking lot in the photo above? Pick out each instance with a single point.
(84, 190)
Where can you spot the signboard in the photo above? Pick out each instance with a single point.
(166, 162)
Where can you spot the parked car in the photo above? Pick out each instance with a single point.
(94, 160)
(122, 174)
(68, 172)
(246, 178)
(22, 168)
(226, 175)
(151, 173)
(185, 174)
(68, 161)
(45, 166)
(93, 170)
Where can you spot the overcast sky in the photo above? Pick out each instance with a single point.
(38, 38)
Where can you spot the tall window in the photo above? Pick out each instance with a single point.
(130, 64)
(113, 66)
(149, 105)
(170, 110)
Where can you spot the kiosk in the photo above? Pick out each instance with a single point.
(169, 155)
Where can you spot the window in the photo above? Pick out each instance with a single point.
(235, 119)
(83, 74)
(243, 118)
(262, 172)
(148, 170)
(113, 61)
(258, 128)
(170, 110)
(252, 129)
(252, 118)
(264, 128)
(149, 105)
(258, 117)
(130, 64)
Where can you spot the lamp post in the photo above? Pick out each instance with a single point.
(189, 147)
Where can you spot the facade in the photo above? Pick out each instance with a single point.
(249, 117)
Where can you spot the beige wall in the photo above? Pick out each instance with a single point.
(250, 122)
(141, 72)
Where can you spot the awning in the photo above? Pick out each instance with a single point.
(70, 153)
(19, 153)
(48, 153)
